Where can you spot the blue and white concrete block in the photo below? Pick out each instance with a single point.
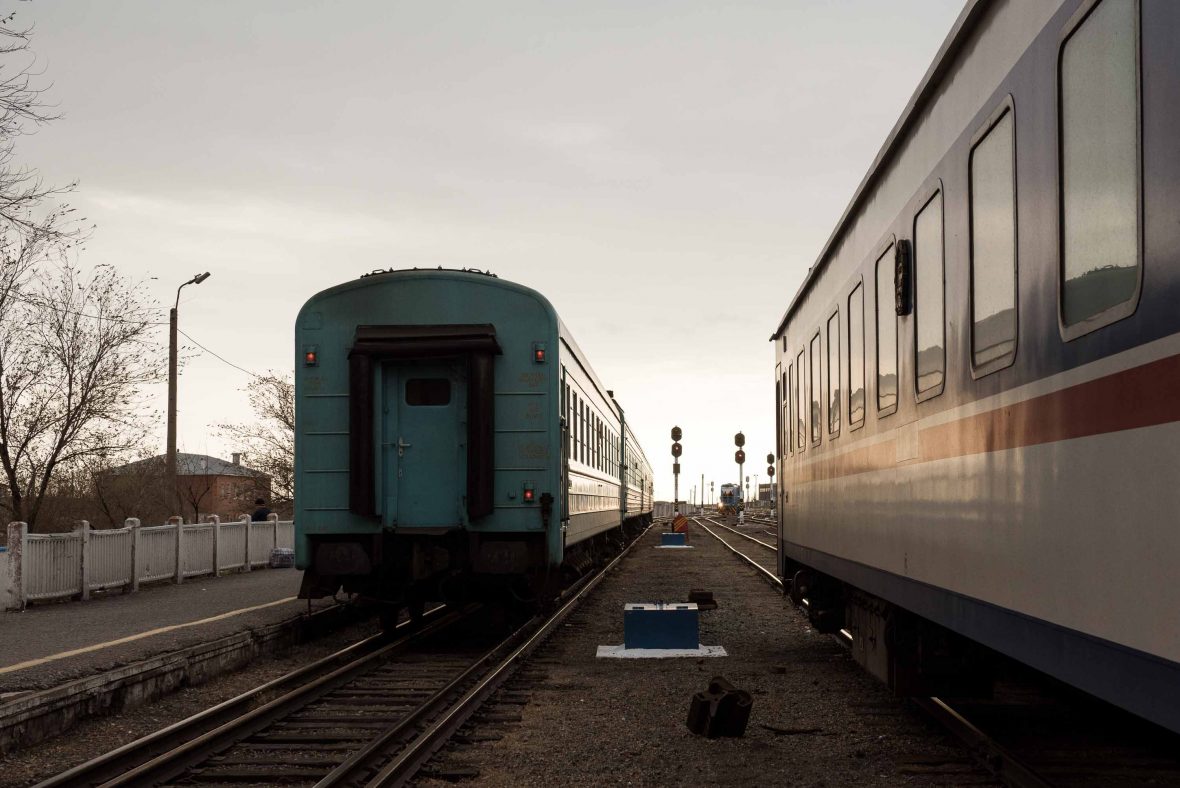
(657, 630)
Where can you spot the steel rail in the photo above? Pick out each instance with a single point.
(990, 754)
(770, 576)
(739, 533)
(117, 761)
(168, 764)
(403, 767)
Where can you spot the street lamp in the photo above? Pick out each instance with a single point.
(170, 457)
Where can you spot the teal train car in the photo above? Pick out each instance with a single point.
(450, 437)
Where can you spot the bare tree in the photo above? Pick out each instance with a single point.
(194, 488)
(269, 441)
(120, 490)
(22, 105)
(75, 349)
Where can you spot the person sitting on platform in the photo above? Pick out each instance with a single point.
(261, 513)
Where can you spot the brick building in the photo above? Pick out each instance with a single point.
(204, 484)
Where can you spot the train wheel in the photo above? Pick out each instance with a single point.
(801, 586)
(417, 609)
(389, 616)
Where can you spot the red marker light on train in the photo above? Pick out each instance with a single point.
(539, 352)
(529, 494)
(310, 359)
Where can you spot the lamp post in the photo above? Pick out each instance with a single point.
(170, 457)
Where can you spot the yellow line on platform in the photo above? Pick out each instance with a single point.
(141, 635)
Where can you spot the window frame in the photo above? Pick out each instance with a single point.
(791, 393)
(888, 410)
(827, 329)
(933, 192)
(815, 430)
(1007, 105)
(1127, 308)
(801, 395)
(856, 425)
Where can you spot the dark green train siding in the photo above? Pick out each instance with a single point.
(527, 440)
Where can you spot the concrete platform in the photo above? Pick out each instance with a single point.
(46, 645)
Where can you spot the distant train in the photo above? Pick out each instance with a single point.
(731, 499)
(451, 435)
(979, 380)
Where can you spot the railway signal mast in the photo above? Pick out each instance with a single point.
(770, 473)
(739, 457)
(676, 451)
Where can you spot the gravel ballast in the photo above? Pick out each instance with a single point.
(817, 718)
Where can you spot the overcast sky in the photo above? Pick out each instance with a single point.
(664, 172)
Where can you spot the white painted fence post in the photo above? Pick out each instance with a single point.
(246, 520)
(84, 567)
(133, 524)
(179, 574)
(216, 545)
(16, 549)
(274, 528)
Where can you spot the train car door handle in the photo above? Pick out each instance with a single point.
(402, 446)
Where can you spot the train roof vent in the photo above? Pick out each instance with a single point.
(381, 271)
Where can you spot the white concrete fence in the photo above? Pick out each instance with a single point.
(54, 566)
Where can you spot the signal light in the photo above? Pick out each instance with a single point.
(310, 357)
(529, 494)
(539, 352)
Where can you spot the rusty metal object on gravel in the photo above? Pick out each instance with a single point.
(721, 710)
(704, 599)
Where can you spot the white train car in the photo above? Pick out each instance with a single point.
(979, 380)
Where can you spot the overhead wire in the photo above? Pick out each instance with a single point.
(179, 330)
(218, 357)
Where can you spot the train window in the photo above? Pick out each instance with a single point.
(778, 415)
(1099, 118)
(886, 335)
(784, 416)
(856, 357)
(834, 374)
(594, 440)
(791, 408)
(428, 391)
(598, 443)
(816, 398)
(930, 302)
(992, 174)
(800, 399)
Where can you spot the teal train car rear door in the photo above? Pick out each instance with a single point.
(424, 445)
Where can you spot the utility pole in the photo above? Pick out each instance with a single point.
(170, 457)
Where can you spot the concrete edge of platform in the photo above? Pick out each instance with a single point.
(33, 717)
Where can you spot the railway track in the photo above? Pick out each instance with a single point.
(768, 574)
(720, 524)
(371, 714)
(1028, 736)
